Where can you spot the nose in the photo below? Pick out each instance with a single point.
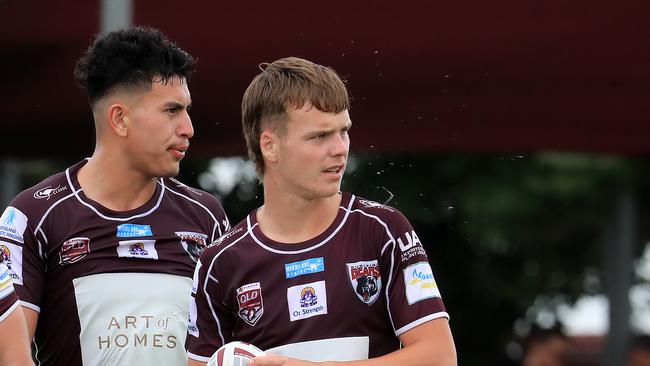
(185, 127)
(340, 145)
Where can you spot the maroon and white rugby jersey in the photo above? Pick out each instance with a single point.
(8, 297)
(346, 294)
(111, 288)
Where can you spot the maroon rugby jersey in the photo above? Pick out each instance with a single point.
(346, 294)
(111, 288)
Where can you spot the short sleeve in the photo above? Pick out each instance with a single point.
(21, 251)
(413, 294)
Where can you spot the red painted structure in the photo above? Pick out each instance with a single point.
(425, 75)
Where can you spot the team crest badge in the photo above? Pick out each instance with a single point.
(251, 305)
(193, 243)
(73, 250)
(365, 279)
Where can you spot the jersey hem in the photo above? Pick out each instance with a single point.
(197, 357)
(9, 311)
(407, 327)
(30, 306)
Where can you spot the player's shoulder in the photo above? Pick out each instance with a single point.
(40, 197)
(227, 242)
(376, 210)
(195, 195)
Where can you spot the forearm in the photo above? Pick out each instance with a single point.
(15, 347)
(414, 355)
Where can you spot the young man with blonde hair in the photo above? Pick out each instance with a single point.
(315, 275)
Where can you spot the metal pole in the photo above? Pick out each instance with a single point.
(115, 14)
(619, 269)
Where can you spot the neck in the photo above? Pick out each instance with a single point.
(290, 218)
(110, 181)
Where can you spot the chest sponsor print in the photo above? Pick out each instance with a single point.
(137, 249)
(251, 304)
(365, 279)
(419, 283)
(193, 243)
(74, 250)
(133, 231)
(311, 265)
(307, 300)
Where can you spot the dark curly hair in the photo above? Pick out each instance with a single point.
(134, 57)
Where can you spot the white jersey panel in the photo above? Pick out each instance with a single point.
(332, 349)
(133, 318)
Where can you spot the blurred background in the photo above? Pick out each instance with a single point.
(514, 135)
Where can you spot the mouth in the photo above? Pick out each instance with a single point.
(336, 169)
(178, 151)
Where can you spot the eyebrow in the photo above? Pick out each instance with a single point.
(176, 105)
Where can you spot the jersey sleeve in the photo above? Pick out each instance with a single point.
(209, 326)
(412, 291)
(21, 251)
(8, 297)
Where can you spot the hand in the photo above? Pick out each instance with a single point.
(274, 360)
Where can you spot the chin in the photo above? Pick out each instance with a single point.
(171, 172)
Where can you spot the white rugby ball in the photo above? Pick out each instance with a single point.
(234, 354)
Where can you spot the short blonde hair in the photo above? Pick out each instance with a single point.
(289, 82)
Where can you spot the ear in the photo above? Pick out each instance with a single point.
(118, 119)
(269, 146)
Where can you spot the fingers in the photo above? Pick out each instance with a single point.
(269, 360)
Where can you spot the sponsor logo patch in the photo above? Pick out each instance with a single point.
(133, 231)
(137, 249)
(47, 192)
(5, 279)
(74, 250)
(419, 283)
(307, 300)
(193, 243)
(12, 255)
(410, 246)
(13, 223)
(251, 305)
(365, 279)
(308, 266)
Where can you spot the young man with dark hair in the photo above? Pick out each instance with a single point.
(103, 253)
(315, 276)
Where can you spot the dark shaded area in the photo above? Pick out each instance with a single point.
(464, 76)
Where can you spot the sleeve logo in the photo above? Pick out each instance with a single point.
(12, 255)
(411, 246)
(13, 224)
(419, 283)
